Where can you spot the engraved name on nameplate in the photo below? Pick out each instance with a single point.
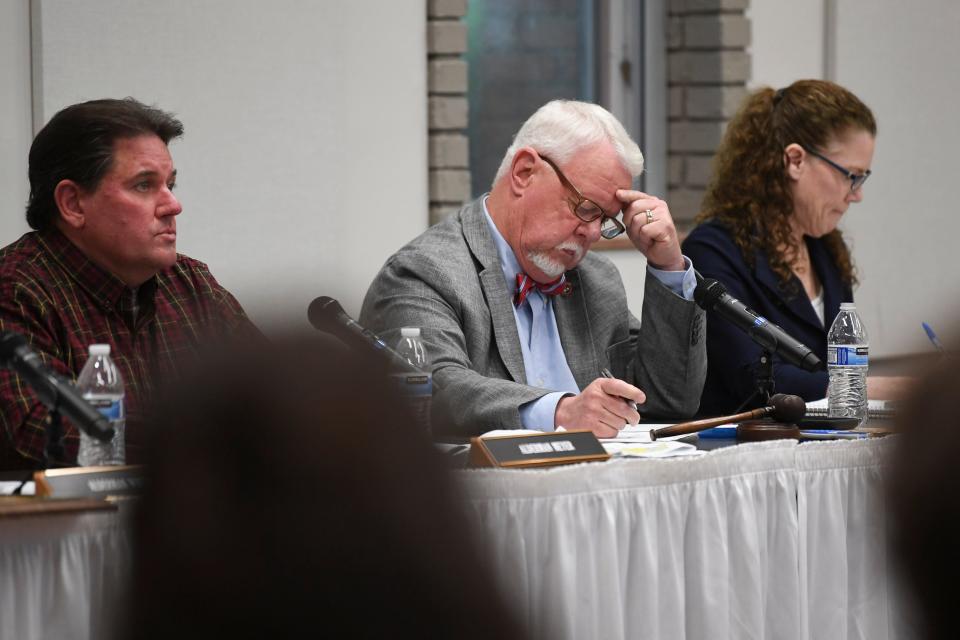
(541, 449)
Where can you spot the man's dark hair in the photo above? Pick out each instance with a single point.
(77, 144)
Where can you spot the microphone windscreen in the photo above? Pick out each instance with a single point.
(9, 343)
(787, 408)
(323, 311)
(707, 293)
(811, 362)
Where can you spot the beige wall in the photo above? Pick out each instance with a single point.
(304, 161)
(15, 120)
(900, 58)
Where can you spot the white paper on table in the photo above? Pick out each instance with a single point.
(640, 433)
(634, 441)
(7, 488)
(511, 432)
(656, 449)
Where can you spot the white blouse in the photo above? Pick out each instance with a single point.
(818, 305)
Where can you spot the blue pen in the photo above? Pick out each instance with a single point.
(833, 433)
(933, 337)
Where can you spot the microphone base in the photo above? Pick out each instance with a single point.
(754, 430)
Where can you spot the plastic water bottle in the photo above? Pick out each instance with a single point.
(101, 385)
(415, 387)
(847, 354)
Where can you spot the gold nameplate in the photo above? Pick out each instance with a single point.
(536, 450)
(90, 482)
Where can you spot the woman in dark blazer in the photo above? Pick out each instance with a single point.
(790, 164)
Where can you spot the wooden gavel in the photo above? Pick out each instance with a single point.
(782, 408)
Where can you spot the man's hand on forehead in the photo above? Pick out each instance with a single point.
(650, 227)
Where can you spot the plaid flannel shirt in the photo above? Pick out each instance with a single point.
(61, 303)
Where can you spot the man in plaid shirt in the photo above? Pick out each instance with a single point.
(101, 266)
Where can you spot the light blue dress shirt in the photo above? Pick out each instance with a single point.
(543, 358)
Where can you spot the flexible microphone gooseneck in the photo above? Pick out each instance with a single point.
(782, 408)
(711, 295)
(54, 391)
(328, 316)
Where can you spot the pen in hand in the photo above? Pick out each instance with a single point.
(933, 337)
(606, 374)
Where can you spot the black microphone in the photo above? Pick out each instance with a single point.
(327, 315)
(713, 296)
(54, 391)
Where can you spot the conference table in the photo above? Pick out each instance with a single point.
(762, 540)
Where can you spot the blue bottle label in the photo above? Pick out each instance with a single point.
(110, 409)
(414, 384)
(849, 356)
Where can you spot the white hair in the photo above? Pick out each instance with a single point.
(554, 268)
(560, 128)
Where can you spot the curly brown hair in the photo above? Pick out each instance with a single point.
(748, 192)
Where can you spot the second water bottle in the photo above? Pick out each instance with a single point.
(101, 385)
(415, 387)
(847, 358)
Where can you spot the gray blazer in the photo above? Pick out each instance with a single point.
(449, 282)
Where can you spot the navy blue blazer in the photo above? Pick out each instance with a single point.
(732, 357)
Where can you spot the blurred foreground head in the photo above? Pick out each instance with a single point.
(290, 491)
(923, 489)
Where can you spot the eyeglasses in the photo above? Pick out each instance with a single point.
(856, 179)
(588, 210)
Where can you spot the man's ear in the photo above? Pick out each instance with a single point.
(522, 169)
(795, 159)
(67, 194)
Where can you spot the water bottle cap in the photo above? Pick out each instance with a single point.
(99, 350)
(410, 332)
(847, 306)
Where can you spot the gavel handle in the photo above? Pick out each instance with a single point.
(683, 428)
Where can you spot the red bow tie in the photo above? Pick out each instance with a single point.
(525, 284)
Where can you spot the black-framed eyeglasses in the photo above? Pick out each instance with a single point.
(588, 210)
(856, 179)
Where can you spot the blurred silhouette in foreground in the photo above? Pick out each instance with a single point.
(290, 492)
(923, 489)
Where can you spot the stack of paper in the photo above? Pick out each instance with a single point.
(634, 442)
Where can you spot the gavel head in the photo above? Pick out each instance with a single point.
(786, 408)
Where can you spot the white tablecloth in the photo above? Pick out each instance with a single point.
(843, 544)
(766, 540)
(769, 540)
(62, 576)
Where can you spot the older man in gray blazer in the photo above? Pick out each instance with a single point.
(520, 320)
